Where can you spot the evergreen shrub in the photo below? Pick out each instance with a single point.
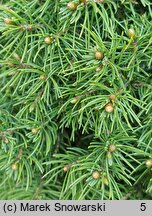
(75, 99)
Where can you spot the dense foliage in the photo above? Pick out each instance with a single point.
(75, 99)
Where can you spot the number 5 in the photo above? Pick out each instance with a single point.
(143, 206)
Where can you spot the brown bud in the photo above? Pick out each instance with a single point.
(99, 55)
(29, 27)
(25, 27)
(14, 167)
(134, 44)
(109, 108)
(8, 21)
(96, 175)
(66, 168)
(74, 100)
(43, 77)
(48, 40)
(112, 97)
(131, 33)
(35, 130)
(99, 68)
(6, 141)
(149, 163)
(112, 148)
(72, 6)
